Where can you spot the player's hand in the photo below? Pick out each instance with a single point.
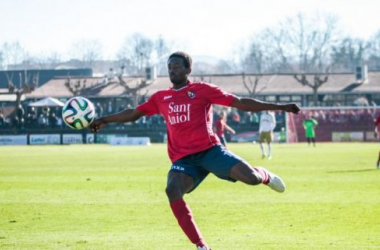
(96, 125)
(292, 108)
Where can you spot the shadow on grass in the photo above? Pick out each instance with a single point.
(353, 171)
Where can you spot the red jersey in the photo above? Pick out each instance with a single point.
(377, 123)
(220, 126)
(188, 115)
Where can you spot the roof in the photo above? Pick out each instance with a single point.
(270, 84)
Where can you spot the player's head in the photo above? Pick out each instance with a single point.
(179, 67)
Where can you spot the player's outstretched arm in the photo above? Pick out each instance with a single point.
(253, 105)
(127, 115)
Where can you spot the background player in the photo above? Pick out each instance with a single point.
(194, 149)
(377, 131)
(267, 125)
(221, 126)
(309, 125)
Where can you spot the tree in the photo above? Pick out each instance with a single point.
(137, 51)
(134, 92)
(77, 88)
(305, 44)
(307, 41)
(252, 85)
(318, 81)
(27, 83)
(348, 54)
(86, 52)
(374, 52)
(162, 50)
(12, 53)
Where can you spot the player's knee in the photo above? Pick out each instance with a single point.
(173, 192)
(253, 179)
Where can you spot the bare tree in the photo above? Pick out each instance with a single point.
(318, 81)
(265, 53)
(13, 53)
(349, 54)
(134, 92)
(162, 49)
(77, 87)
(137, 50)
(305, 43)
(252, 86)
(27, 83)
(87, 51)
(374, 52)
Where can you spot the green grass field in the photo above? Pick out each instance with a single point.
(112, 197)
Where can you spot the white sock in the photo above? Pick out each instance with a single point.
(262, 148)
(269, 150)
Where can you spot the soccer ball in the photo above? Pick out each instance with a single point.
(78, 112)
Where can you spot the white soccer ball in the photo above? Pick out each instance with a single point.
(78, 112)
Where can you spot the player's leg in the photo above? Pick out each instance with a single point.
(226, 165)
(378, 161)
(313, 140)
(269, 150)
(261, 141)
(308, 140)
(247, 174)
(269, 141)
(223, 140)
(178, 184)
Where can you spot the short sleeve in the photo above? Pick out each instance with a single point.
(218, 96)
(149, 107)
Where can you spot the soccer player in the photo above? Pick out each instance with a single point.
(194, 149)
(220, 127)
(309, 125)
(377, 132)
(267, 124)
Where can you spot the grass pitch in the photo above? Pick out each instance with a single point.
(112, 197)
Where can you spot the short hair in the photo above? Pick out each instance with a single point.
(186, 57)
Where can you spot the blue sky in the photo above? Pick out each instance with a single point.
(200, 27)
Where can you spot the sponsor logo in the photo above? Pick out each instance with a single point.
(38, 140)
(178, 113)
(191, 94)
(175, 167)
(167, 97)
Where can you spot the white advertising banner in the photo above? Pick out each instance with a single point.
(40, 139)
(90, 138)
(72, 138)
(132, 141)
(347, 136)
(13, 139)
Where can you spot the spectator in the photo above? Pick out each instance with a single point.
(53, 120)
(20, 112)
(42, 121)
(2, 120)
(109, 108)
(98, 110)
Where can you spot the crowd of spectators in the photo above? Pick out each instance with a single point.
(29, 118)
(26, 117)
(341, 117)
